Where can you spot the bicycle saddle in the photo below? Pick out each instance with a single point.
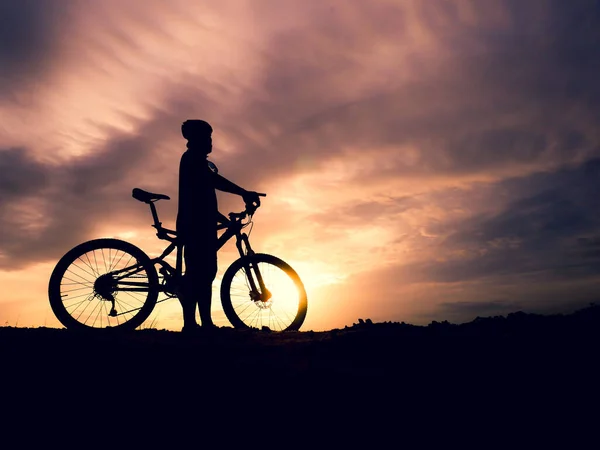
(147, 197)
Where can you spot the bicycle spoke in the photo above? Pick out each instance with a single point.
(90, 265)
(122, 302)
(78, 303)
(253, 317)
(77, 283)
(117, 262)
(99, 305)
(95, 261)
(73, 282)
(86, 295)
(123, 266)
(87, 304)
(249, 306)
(82, 269)
(76, 289)
(104, 260)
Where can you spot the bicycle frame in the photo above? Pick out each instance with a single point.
(172, 275)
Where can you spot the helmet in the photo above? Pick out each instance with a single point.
(195, 128)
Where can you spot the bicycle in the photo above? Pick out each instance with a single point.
(109, 283)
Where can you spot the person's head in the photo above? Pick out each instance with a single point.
(198, 132)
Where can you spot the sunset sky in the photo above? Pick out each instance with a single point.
(423, 159)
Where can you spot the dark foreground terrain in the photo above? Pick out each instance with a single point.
(492, 369)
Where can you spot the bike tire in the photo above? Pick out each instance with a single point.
(285, 311)
(73, 287)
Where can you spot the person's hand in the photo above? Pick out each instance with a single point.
(251, 198)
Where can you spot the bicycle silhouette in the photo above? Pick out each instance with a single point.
(110, 283)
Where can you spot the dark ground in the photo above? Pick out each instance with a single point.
(500, 371)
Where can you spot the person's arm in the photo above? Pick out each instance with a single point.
(223, 184)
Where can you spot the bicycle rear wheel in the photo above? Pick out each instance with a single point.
(103, 283)
(278, 302)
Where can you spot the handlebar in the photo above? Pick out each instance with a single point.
(249, 211)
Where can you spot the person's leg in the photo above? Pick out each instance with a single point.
(188, 294)
(205, 290)
(200, 256)
(188, 304)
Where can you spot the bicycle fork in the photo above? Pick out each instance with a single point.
(258, 293)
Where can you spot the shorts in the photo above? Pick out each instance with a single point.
(200, 256)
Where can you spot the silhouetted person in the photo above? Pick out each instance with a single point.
(197, 219)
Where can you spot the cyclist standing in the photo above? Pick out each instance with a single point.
(197, 220)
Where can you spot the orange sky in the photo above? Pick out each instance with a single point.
(423, 160)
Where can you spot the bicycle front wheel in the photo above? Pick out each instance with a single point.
(103, 283)
(261, 290)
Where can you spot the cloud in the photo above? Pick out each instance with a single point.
(547, 233)
(474, 103)
(539, 231)
(29, 31)
(21, 175)
(48, 208)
